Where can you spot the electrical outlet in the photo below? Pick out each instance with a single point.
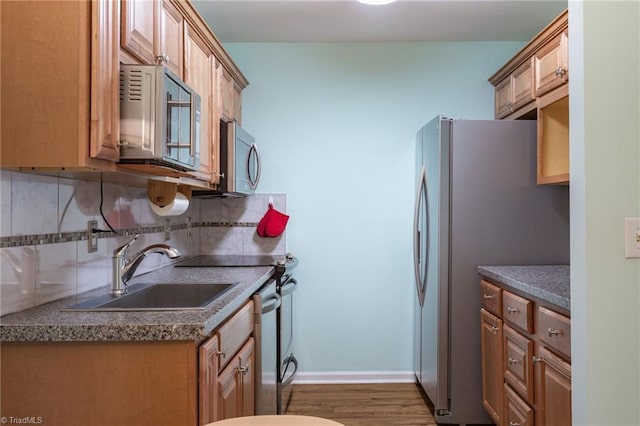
(92, 236)
(632, 237)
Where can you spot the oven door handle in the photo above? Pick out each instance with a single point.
(291, 359)
(288, 287)
(271, 304)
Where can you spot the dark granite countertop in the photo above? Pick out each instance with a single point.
(549, 283)
(48, 323)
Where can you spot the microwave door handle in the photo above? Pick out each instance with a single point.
(253, 183)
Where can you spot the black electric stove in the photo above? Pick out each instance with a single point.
(230, 260)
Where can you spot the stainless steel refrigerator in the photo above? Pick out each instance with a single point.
(477, 204)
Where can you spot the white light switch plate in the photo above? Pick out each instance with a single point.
(632, 237)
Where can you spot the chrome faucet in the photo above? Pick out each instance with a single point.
(123, 270)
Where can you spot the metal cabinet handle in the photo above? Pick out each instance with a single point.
(514, 424)
(552, 333)
(487, 296)
(560, 72)
(222, 353)
(510, 105)
(243, 370)
(512, 361)
(512, 310)
(494, 329)
(162, 59)
(536, 359)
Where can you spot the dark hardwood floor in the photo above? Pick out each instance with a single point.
(379, 404)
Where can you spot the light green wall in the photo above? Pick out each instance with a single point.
(605, 188)
(336, 125)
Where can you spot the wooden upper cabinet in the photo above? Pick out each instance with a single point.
(515, 91)
(522, 82)
(105, 104)
(152, 32)
(68, 118)
(536, 69)
(551, 64)
(230, 98)
(171, 47)
(140, 29)
(199, 66)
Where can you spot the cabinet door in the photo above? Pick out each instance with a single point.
(105, 88)
(522, 82)
(226, 95)
(208, 354)
(171, 38)
(518, 368)
(229, 403)
(551, 65)
(246, 377)
(199, 65)
(516, 411)
(140, 29)
(491, 338)
(553, 389)
(504, 98)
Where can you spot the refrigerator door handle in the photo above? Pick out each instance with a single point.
(420, 280)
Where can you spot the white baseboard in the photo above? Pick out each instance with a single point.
(340, 377)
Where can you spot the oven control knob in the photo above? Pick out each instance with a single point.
(281, 262)
(289, 256)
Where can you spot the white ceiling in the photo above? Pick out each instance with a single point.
(403, 21)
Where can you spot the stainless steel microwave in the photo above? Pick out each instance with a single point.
(159, 118)
(240, 163)
(239, 160)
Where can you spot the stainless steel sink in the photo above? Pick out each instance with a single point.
(157, 297)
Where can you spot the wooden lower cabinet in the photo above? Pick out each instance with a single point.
(100, 383)
(553, 386)
(491, 339)
(130, 382)
(236, 385)
(227, 367)
(516, 411)
(526, 366)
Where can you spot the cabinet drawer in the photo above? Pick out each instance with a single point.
(234, 332)
(491, 297)
(516, 411)
(517, 311)
(518, 368)
(554, 329)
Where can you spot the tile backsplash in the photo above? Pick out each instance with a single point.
(43, 221)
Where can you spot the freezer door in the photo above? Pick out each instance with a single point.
(434, 334)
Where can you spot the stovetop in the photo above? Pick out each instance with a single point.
(230, 260)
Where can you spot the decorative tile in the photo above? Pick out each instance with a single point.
(34, 204)
(221, 240)
(93, 269)
(56, 273)
(77, 204)
(17, 283)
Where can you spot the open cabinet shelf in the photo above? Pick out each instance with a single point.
(553, 137)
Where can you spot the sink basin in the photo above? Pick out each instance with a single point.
(157, 297)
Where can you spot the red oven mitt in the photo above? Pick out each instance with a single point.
(273, 223)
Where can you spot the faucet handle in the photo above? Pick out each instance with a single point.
(122, 250)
